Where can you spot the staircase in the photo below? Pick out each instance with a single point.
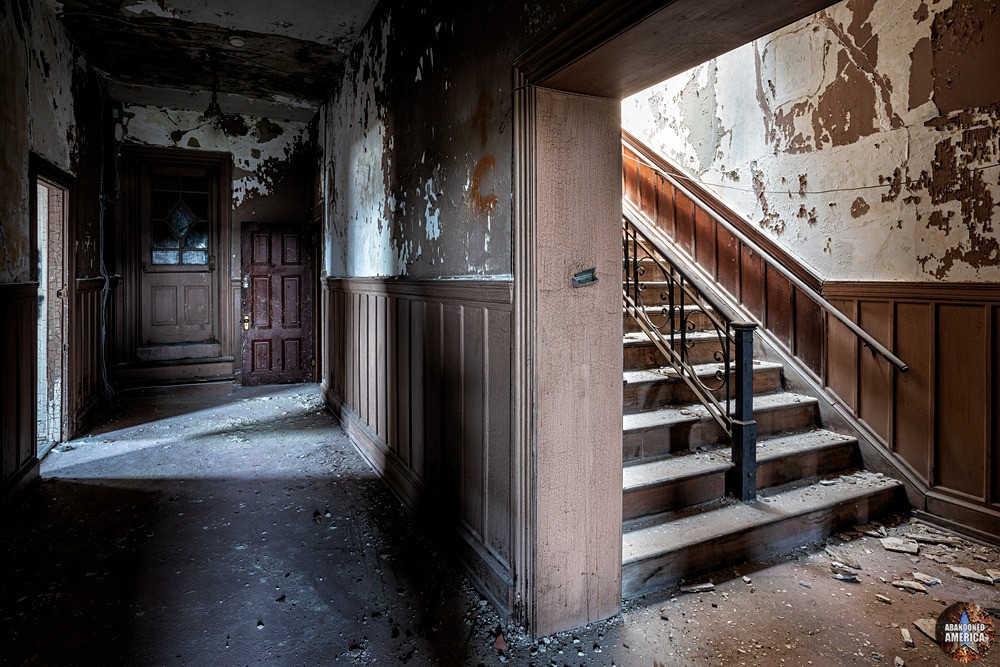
(679, 523)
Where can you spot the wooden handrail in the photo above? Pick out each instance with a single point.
(866, 339)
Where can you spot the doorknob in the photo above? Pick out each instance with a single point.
(246, 323)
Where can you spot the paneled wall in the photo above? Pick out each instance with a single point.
(85, 359)
(18, 322)
(419, 373)
(942, 418)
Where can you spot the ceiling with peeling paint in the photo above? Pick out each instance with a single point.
(290, 55)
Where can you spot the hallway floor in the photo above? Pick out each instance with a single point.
(202, 528)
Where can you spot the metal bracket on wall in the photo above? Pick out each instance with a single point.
(585, 277)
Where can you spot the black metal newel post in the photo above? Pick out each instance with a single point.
(744, 486)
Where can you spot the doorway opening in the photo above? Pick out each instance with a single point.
(51, 210)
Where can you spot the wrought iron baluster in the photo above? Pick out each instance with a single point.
(729, 399)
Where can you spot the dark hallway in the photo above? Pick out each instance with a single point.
(201, 528)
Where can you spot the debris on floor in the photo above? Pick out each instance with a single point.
(900, 545)
(180, 533)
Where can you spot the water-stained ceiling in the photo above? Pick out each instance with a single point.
(279, 52)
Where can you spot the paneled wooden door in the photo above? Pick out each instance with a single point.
(277, 317)
(179, 318)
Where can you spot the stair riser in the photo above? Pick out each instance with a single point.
(642, 397)
(673, 438)
(677, 494)
(647, 355)
(673, 495)
(754, 544)
(808, 464)
(699, 322)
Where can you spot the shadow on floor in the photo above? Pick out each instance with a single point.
(245, 532)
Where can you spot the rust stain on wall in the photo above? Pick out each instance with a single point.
(480, 202)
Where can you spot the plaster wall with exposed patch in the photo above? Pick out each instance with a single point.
(417, 141)
(38, 115)
(259, 146)
(863, 138)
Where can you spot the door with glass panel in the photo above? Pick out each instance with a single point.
(178, 316)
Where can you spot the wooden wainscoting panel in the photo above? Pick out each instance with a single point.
(684, 212)
(704, 240)
(647, 192)
(399, 389)
(875, 373)
(752, 282)
(372, 361)
(666, 209)
(499, 480)
(994, 364)
(474, 418)
(728, 267)
(779, 317)
(913, 434)
(433, 398)
(418, 387)
(424, 392)
(842, 355)
(452, 407)
(809, 333)
(942, 424)
(962, 399)
(382, 330)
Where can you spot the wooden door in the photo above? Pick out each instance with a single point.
(277, 313)
(178, 318)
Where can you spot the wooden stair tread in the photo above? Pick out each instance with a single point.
(667, 374)
(737, 518)
(643, 474)
(692, 413)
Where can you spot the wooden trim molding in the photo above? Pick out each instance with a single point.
(498, 291)
(524, 352)
(937, 291)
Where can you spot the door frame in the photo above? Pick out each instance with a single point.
(606, 51)
(130, 249)
(40, 170)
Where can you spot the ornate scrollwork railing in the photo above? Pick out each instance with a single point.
(675, 308)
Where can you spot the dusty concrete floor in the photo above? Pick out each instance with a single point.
(198, 528)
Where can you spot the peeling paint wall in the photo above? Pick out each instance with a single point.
(417, 142)
(260, 147)
(864, 138)
(42, 75)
